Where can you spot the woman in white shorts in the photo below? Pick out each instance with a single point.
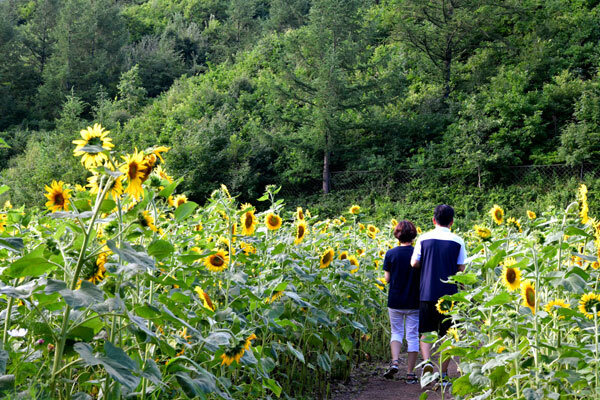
(403, 299)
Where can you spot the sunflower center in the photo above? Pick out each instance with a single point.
(95, 141)
(272, 220)
(589, 307)
(326, 258)
(300, 214)
(300, 231)
(343, 256)
(59, 199)
(511, 275)
(133, 170)
(218, 261)
(530, 296)
(498, 214)
(248, 221)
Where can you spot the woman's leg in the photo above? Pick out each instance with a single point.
(397, 328)
(412, 338)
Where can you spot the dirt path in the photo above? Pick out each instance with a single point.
(367, 383)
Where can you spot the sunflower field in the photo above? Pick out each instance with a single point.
(526, 319)
(125, 289)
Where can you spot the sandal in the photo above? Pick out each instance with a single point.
(412, 379)
(392, 370)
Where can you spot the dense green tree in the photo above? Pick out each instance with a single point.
(326, 74)
(88, 52)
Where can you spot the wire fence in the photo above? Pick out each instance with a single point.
(388, 182)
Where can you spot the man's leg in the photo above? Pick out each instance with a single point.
(425, 349)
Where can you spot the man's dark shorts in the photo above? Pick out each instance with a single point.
(430, 320)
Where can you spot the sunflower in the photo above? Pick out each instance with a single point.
(99, 273)
(3, 218)
(299, 214)
(233, 354)
(247, 248)
(133, 169)
(93, 136)
(273, 221)
(514, 223)
(528, 295)
(372, 231)
(531, 215)
(453, 333)
(482, 231)
(116, 186)
(394, 223)
(444, 306)
(550, 308)
(511, 277)
(360, 251)
(160, 149)
(381, 253)
(383, 283)
(162, 174)
(249, 340)
(419, 230)
(206, 301)
(150, 162)
(343, 255)
(225, 191)
(147, 220)
(354, 262)
(301, 231)
(179, 200)
(326, 258)
(58, 196)
(354, 209)
(274, 297)
(582, 198)
(217, 262)
(248, 221)
(589, 303)
(362, 227)
(497, 214)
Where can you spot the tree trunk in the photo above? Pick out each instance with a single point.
(326, 173)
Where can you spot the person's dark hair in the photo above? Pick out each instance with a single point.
(405, 231)
(444, 214)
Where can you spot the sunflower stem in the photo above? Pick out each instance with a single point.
(11, 300)
(65, 322)
(535, 319)
(596, 371)
(517, 361)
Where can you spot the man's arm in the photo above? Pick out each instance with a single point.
(415, 260)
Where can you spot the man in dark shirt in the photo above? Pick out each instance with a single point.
(440, 254)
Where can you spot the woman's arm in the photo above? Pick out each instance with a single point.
(387, 276)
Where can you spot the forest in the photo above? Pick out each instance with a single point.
(257, 92)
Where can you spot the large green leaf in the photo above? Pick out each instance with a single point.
(130, 255)
(299, 355)
(185, 210)
(115, 361)
(166, 192)
(272, 385)
(32, 264)
(87, 295)
(11, 243)
(160, 249)
(197, 387)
